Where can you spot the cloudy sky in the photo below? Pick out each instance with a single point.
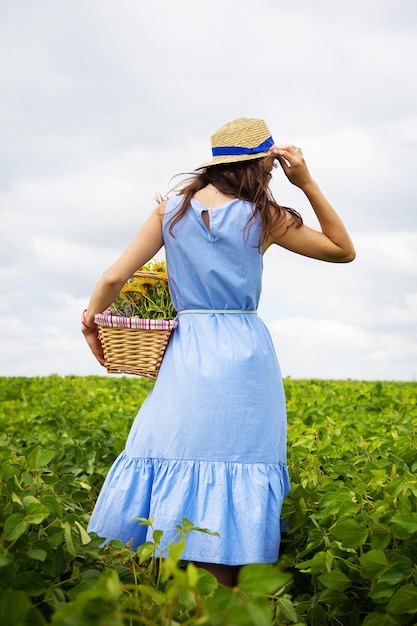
(103, 101)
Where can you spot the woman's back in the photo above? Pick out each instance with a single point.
(213, 258)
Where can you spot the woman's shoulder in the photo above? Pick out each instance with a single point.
(169, 203)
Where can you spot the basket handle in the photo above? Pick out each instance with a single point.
(145, 274)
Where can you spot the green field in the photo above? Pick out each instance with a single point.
(349, 555)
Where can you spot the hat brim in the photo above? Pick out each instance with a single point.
(232, 158)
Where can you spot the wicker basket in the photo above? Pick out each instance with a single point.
(132, 345)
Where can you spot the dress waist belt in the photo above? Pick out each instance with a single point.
(225, 311)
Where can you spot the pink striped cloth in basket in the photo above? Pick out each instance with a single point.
(114, 321)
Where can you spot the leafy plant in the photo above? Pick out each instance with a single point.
(348, 556)
(352, 510)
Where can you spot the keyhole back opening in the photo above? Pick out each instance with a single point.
(206, 219)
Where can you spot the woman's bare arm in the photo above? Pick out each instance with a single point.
(332, 243)
(143, 247)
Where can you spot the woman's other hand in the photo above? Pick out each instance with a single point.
(91, 337)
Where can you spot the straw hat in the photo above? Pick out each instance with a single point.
(240, 140)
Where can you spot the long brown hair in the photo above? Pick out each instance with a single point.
(248, 180)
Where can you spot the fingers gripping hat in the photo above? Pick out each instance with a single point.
(240, 140)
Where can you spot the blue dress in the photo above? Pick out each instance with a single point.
(209, 442)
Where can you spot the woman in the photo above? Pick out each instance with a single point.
(209, 442)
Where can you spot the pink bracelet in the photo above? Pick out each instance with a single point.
(84, 321)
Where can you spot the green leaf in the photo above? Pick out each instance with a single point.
(38, 458)
(68, 539)
(192, 576)
(339, 503)
(16, 610)
(316, 565)
(260, 611)
(331, 598)
(392, 577)
(5, 560)
(401, 568)
(373, 563)
(381, 593)
(352, 534)
(157, 536)
(144, 521)
(375, 619)
(32, 455)
(158, 597)
(15, 498)
(31, 582)
(261, 579)
(37, 554)
(54, 596)
(380, 536)
(287, 610)
(146, 551)
(52, 504)
(206, 531)
(36, 513)
(335, 579)
(15, 526)
(176, 550)
(404, 526)
(85, 537)
(13, 606)
(94, 607)
(56, 536)
(206, 582)
(45, 457)
(186, 524)
(404, 601)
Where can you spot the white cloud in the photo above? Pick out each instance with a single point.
(327, 348)
(102, 103)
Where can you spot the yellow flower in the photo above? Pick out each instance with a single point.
(147, 282)
(160, 267)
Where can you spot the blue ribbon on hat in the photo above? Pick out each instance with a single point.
(238, 150)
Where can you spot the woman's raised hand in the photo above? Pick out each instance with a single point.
(293, 163)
